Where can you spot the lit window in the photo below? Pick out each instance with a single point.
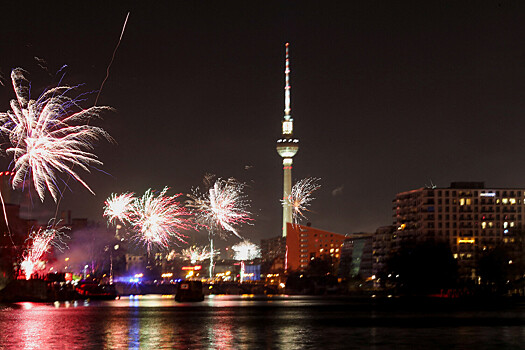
(483, 225)
(512, 200)
(505, 201)
(468, 201)
(505, 224)
(287, 127)
(462, 201)
(455, 256)
(512, 224)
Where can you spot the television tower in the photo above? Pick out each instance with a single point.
(287, 146)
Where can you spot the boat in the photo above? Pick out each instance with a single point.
(93, 290)
(189, 291)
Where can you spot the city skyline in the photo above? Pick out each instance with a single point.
(387, 98)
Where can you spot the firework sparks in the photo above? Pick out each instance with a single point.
(246, 250)
(300, 197)
(155, 218)
(41, 242)
(195, 254)
(119, 207)
(222, 207)
(49, 135)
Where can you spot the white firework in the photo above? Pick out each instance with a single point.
(222, 208)
(246, 250)
(49, 135)
(300, 197)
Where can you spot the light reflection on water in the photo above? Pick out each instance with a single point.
(247, 322)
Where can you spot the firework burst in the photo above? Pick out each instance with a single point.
(195, 254)
(41, 242)
(300, 197)
(222, 207)
(49, 135)
(155, 217)
(119, 207)
(246, 250)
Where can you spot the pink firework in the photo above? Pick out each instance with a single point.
(301, 196)
(49, 135)
(222, 207)
(41, 243)
(119, 207)
(158, 218)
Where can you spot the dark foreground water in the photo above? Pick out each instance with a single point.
(247, 322)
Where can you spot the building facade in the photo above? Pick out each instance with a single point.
(356, 256)
(470, 217)
(383, 244)
(305, 243)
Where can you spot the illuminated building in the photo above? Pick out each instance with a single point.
(287, 146)
(383, 242)
(135, 263)
(306, 243)
(470, 217)
(356, 256)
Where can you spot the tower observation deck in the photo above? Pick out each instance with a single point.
(287, 146)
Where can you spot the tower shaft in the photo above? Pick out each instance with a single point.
(287, 190)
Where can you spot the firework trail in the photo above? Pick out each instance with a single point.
(112, 58)
(246, 250)
(195, 254)
(300, 197)
(222, 207)
(119, 207)
(41, 242)
(155, 218)
(49, 136)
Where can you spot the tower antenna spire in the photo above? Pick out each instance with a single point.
(287, 85)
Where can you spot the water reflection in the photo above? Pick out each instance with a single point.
(134, 329)
(220, 331)
(32, 327)
(247, 322)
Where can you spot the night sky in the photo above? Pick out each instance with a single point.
(386, 97)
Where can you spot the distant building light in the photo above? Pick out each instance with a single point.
(488, 194)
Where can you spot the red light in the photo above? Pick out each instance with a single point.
(187, 267)
(198, 267)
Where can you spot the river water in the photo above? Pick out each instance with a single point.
(248, 322)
